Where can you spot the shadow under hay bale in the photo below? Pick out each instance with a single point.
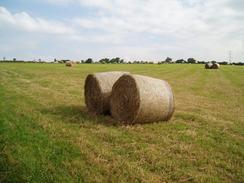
(98, 89)
(77, 115)
(141, 99)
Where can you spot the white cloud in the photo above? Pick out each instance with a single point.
(23, 21)
(183, 18)
(204, 29)
(209, 28)
(156, 16)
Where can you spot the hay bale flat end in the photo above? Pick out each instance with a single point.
(141, 99)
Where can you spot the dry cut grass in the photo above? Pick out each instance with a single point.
(47, 135)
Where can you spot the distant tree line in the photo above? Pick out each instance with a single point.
(118, 60)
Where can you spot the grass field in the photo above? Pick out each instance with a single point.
(46, 134)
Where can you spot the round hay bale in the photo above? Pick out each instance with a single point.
(141, 99)
(208, 65)
(98, 89)
(69, 64)
(215, 66)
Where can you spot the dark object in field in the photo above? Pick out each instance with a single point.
(212, 65)
(208, 65)
(69, 64)
(141, 99)
(215, 66)
(98, 89)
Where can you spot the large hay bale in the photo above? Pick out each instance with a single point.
(215, 66)
(69, 64)
(141, 99)
(208, 65)
(98, 89)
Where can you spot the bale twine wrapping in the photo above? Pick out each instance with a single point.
(98, 89)
(215, 66)
(141, 99)
(208, 65)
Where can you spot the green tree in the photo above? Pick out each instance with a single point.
(104, 60)
(180, 61)
(168, 60)
(191, 60)
(121, 61)
(89, 61)
(115, 60)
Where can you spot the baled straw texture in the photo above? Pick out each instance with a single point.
(141, 99)
(98, 89)
(208, 65)
(215, 66)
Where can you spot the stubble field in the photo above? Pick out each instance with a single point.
(47, 135)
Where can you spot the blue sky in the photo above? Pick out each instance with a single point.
(133, 30)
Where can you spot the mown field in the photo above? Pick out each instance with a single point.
(47, 135)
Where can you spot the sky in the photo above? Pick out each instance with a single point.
(131, 29)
